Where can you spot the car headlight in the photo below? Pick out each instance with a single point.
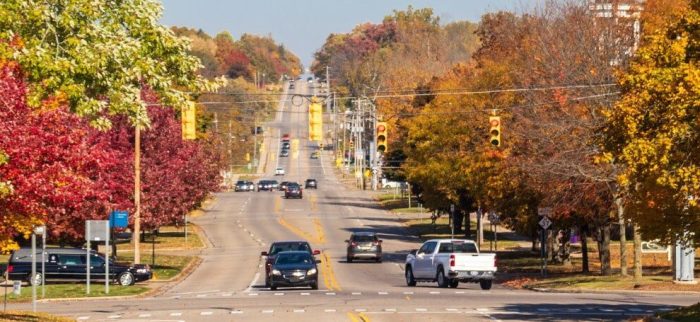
(276, 272)
(142, 271)
(311, 272)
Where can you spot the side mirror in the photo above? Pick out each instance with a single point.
(263, 253)
(318, 261)
(316, 252)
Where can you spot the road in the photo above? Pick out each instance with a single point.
(229, 283)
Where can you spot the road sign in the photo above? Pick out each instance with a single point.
(545, 223)
(544, 211)
(118, 219)
(494, 218)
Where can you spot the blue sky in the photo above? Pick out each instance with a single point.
(303, 25)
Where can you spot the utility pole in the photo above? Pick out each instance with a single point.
(137, 193)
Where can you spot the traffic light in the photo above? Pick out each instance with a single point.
(382, 137)
(315, 120)
(495, 131)
(189, 114)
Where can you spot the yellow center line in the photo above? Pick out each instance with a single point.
(353, 317)
(363, 317)
(314, 205)
(296, 230)
(321, 237)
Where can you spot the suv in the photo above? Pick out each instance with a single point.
(364, 245)
(242, 186)
(283, 246)
(267, 185)
(69, 264)
(293, 190)
(311, 183)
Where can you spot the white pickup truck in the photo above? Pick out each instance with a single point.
(450, 261)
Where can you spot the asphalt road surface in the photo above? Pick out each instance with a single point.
(229, 283)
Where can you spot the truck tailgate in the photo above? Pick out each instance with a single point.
(474, 262)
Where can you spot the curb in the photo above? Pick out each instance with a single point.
(623, 292)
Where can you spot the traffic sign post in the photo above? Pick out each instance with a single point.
(544, 223)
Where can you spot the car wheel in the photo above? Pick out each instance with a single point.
(378, 259)
(410, 279)
(454, 283)
(485, 284)
(126, 279)
(273, 286)
(349, 259)
(267, 282)
(37, 279)
(314, 286)
(441, 279)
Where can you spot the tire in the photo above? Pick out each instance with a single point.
(442, 280)
(485, 284)
(126, 279)
(410, 279)
(314, 286)
(349, 259)
(378, 259)
(273, 287)
(36, 280)
(267, 282)
(454, 283)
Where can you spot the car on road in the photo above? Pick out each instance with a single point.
(315, 155)
(251, 185)
(70, 264)
(242, 186)
(284, 153)
(364, 245)
(311, 184)
(267, 185)
(293, 269)
(282, 246)
(449, 262)
(279, 171)
(285, 137)
(283, 185)
(291, 85)
(293, 191)
(285, 145)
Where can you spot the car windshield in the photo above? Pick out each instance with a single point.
(363, 239)
(457, 247)
(293, 258)
(282, 247)
(240, 182)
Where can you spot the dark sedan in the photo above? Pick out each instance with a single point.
(311, 183)
(293, 191)
(284, 246)
(293, 269)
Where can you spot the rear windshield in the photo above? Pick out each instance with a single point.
(363, 239)
(457, 248)
(296, 258)
(283, 247)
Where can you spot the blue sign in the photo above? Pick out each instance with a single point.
(118, 219)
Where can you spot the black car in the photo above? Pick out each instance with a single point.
(69, 264)
(292, 269)
(268, 185)
(242, 186)
(286, 145)
(311, 183)
(284, 184)
(293, 191)
(364, 245)
(284, 153)
(284, 246)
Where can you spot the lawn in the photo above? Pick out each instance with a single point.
(73, 290)
(168, 238)
(684, 314)
(165, 266)
(31, 317)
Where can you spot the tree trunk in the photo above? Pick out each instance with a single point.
(584, 249)
(565, 248)
(467, 226)
(623, 237)
(637, 253)
(604, 250)
(457, 220)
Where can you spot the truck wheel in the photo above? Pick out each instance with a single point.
(454, 283)
(37, 279)
(410, 279)
(485, 284)
(442, 281)
(267, 281)
(126, 279)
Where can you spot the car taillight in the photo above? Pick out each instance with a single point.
(452, 260)
(495, 261)
(375, 243)
(10, 268)
(353, 244)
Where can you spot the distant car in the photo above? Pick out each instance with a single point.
(285, 137)
(282, 246)
(291, 85)
(293, 191)
(292, 269)
(283, 185)
(310, 79)
(364, 245)
(279, 171)
(267, 185)
(284, 153)
(251, 185)
(285, 145)
(311, 183)
(257, 130)
(241, 186)
(315, 154)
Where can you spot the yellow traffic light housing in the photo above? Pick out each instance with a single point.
(495, 131)
(189, 114)
(315, 120)
(382, 137)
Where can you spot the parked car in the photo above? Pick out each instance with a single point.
(364, 245)
(282, 246)
(292, 269)
(285, 145)
(293, 191)
(241, 186)
(311, 184)
(449, 262)
(279, 171)
(69, 264)
(285, 137)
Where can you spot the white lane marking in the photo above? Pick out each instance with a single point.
(226, 294)
(114, 316)
(390, 310)
(279, 294)
(305, 293)
(253, 282)
(145, 315)
(483, 309)
(329, 310)
(299, 311)
(382, 293)
(80, 318)
(206, 313)
(175, 314)
(451, 310)
(198, 292)
(360, 310)
(330, 293)
(407, 293)
(460, 292)
(434, 292)
(420, 309)
(356, 293)
(202, 295)
(236, 312)
(268, 311)
(252, 294)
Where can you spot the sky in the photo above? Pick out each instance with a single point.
(303, 25)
